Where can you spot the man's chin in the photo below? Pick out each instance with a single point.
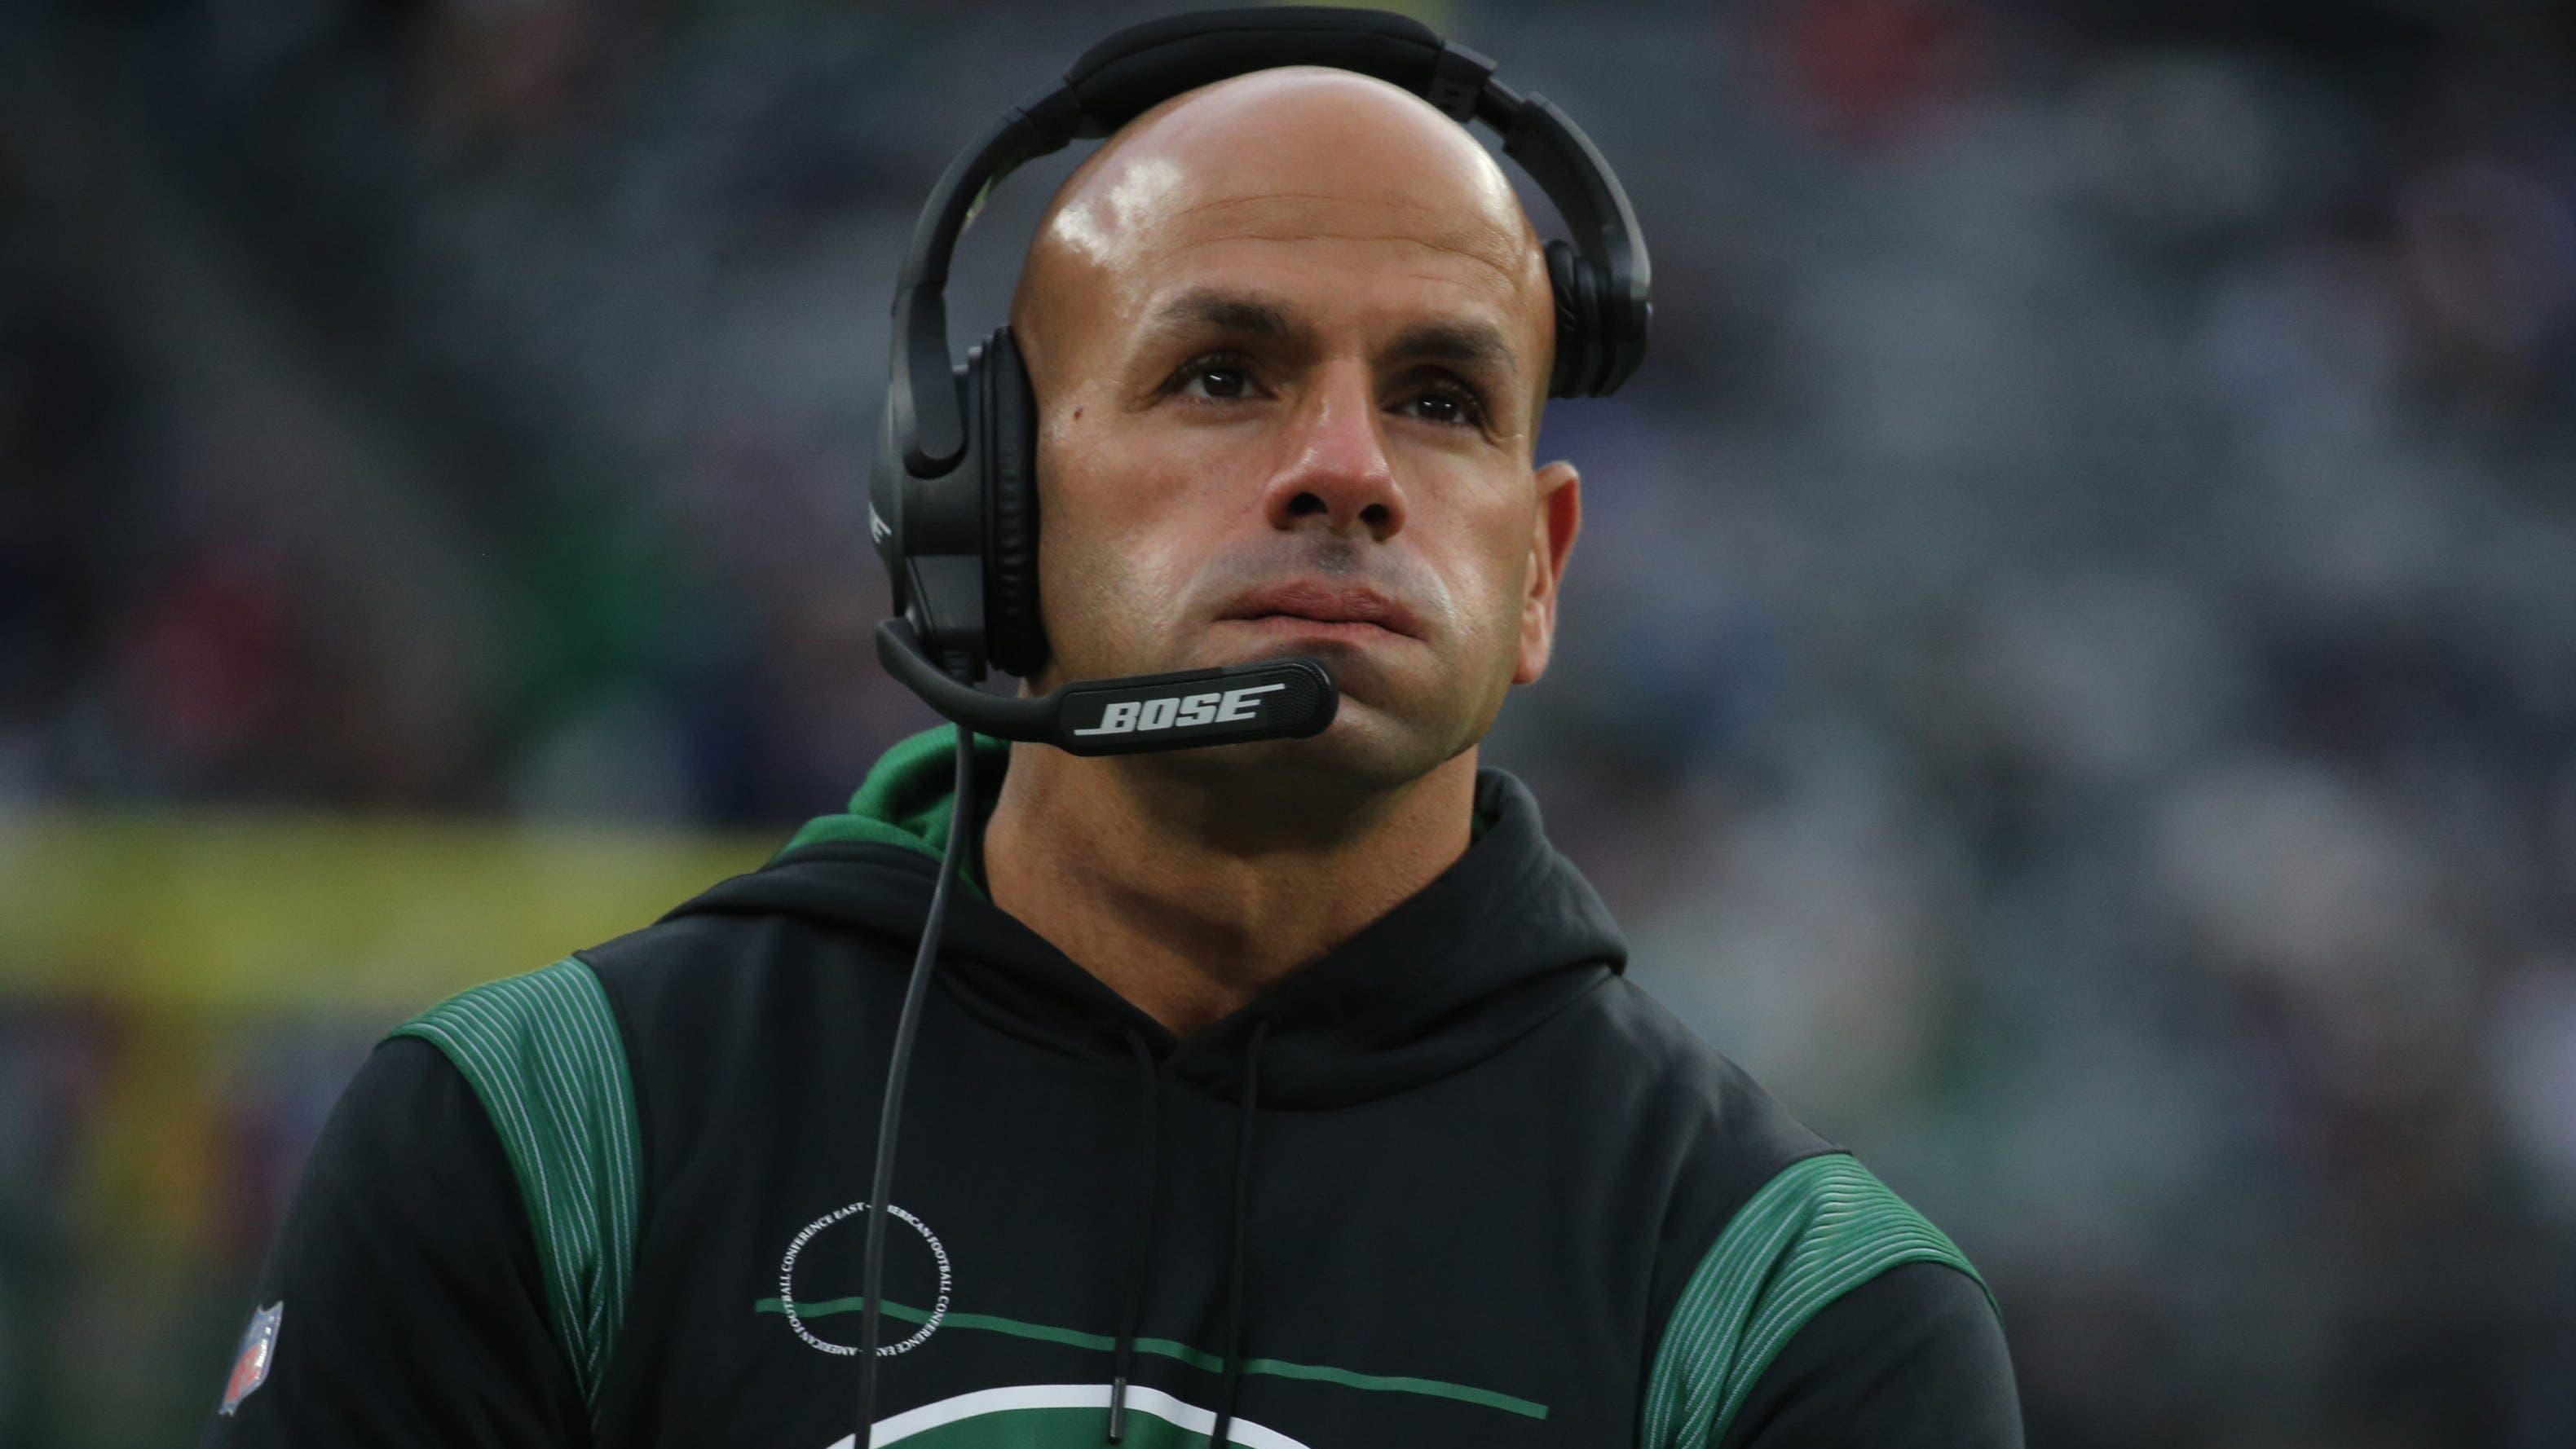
(1362, 751)
(1367, 671)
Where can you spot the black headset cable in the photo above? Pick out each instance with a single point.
(961, 825)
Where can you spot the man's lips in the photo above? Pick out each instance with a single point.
(1322, 603)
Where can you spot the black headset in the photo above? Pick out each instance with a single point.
(953, 504)
(952, 498)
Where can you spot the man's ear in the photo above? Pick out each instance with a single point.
(1552, 530)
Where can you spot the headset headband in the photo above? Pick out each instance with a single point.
(1143, 65)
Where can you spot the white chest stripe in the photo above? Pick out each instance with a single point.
(1140, 1400)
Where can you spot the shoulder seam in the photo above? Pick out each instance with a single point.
(544, 1055)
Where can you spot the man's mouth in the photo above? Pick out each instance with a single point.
(1326, 610)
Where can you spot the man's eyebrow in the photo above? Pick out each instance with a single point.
(1468, 344)
(1216, 309)
(1458, 341)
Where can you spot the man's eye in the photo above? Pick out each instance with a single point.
(1447, 408)
(1220, 381)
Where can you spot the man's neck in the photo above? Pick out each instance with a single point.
(1190, 902)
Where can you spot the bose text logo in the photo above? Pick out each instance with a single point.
(1129, 716)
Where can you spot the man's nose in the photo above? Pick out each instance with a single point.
(1337, 469)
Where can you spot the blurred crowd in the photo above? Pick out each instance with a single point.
(2069, 673)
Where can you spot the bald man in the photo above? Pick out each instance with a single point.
(1275, 1094)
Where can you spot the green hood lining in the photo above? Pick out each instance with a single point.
(906, 800)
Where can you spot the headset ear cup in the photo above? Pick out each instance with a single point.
(1015, 637)
(1577, 286)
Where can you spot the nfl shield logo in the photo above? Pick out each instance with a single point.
(258, 1349)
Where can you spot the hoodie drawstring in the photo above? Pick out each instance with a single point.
(1242, 1197)
(1139, 1263)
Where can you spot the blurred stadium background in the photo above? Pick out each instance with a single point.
(2070, 672)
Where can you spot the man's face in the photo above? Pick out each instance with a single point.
(1288, 344)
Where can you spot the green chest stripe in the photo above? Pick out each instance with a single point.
(543, 1053)
(1821, 1228)
(1169, 1348)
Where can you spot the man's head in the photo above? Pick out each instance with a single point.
(1289, 336)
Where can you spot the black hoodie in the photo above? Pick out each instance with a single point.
(1457, 1182)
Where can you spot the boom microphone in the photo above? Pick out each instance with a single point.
(1265, 699)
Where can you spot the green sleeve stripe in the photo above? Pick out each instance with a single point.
(544, 1055)
(1819, 1229)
